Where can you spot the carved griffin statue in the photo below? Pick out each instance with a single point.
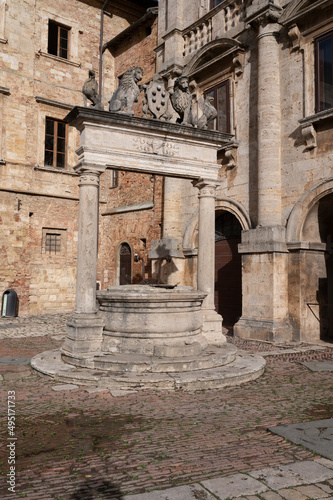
(90, 90)
(181, 100)
(209, 113)
(128, 91)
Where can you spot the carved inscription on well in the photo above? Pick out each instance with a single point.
(155, 146)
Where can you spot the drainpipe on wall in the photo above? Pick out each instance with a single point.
(101, 97)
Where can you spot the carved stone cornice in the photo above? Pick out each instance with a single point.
(267, 14)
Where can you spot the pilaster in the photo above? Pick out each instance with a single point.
(265, 314)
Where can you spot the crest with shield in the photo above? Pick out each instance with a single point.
(156, 100)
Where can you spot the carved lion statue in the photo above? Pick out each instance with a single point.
(181, 100)
(128, 91)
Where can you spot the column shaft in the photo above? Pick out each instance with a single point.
(87, 243)
(269, 125)
(212, 324)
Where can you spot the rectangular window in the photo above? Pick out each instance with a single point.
(113, 178)
(219, 98)
(52, 243)
(324, 72)
(58, 40)
(55, 143)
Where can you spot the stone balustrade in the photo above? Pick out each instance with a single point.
(197, 37)
(202, 32)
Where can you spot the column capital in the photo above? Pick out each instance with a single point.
(263, 16)
(206, 187)
(86, 168)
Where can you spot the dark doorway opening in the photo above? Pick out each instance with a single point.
(125, 264)
(325, 220)
(228, 269)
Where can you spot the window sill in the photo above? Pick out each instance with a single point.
(308, 126)
(4, 91)
(57, 58)
(56, 170)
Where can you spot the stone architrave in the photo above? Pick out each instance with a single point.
(119, 141)
(212, 324)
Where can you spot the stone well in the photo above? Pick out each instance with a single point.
(141, 337)
(152, 339)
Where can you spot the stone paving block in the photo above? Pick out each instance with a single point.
(92, 390)
(120, 392)
(65, 387)
(316, 435)
(17, 375)
(10, 360)
(270, 495)
(325, 462)
(312, 491)
(296, 474)
(292, 494)
(233, 486)
(319, 366)
(325, 487)
(193, 491)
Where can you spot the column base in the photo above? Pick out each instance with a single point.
(84, 334)
(264, 330)
(212, 327)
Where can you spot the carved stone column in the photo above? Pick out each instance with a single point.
(269, 125)
(212, 326)
(84, 329)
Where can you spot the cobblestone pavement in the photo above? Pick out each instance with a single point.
(83, 444)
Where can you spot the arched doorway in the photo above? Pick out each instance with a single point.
(125, 264)
(228, 268)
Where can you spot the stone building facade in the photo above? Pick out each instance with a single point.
(267, 66)
(46, 52)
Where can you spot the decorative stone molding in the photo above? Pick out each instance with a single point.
(267, 14)
(56, 58)
(4, 91)
(238, 63)
(52, 102)
(206, 188)
(303, 206)
(130, 208)
(310, 136)
(308, 125)
(230, 153)
(295, 38)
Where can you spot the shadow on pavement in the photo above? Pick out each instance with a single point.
(97, 489)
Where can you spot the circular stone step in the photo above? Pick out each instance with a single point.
(244, 368)
(139, 363)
